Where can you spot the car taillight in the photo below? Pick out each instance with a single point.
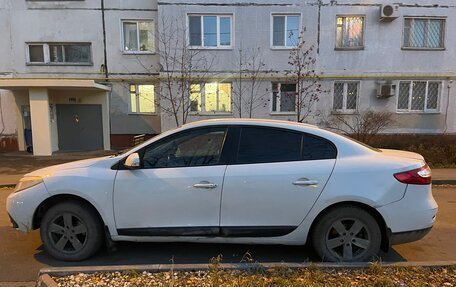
(420, 175)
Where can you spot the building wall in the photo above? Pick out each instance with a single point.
(81, 21)
(381, 59)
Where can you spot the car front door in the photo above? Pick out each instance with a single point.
(177, 190)
(273, 181)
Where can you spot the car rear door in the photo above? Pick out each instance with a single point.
(275, 177)
(177, 190)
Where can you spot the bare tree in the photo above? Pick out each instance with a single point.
(248, 94)
(308, 85)
(181, 67)
(363, 126)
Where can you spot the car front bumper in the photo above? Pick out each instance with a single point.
(21, 206)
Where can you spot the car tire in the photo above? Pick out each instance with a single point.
(347, 234)
(71, 231)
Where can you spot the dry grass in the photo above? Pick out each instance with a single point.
(376, 275)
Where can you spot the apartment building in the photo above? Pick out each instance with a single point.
(91, 74)
(79, 75)
(367, 55)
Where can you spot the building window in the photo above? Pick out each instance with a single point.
(283, 97)
(210, 31)
(350, 32)
(138, 36)
(419, 96)
(59, 53)
(345, 96)
(142, 99)
(424, 33)
(210, 98)
(285, 30)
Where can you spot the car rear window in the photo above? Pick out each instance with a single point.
(316, 148)
(262, 145)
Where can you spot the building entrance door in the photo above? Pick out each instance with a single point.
(80, 127)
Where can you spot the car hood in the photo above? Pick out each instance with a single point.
(401, 153)
(48, 171)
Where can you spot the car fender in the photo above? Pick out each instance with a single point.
(94, 186)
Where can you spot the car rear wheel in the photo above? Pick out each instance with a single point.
(71, 231)
(348, 234)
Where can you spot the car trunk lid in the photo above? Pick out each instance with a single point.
(401, 153)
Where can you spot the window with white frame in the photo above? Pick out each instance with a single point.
(142, 99)
(419, 96)
(59, 53)
(283, 97)
(210, 97)
(345, 96)
(210, 31)
(424, 33)
(350, 32)
(285, 30)
(138, 36)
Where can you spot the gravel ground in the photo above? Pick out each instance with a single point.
(376, 275)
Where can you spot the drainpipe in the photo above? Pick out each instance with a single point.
(106, 72)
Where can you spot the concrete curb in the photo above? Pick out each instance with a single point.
(443, 182)
(46, 281)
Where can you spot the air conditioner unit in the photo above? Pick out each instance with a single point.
(388, 12)
(385, 90)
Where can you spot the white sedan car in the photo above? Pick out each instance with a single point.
(233, 181)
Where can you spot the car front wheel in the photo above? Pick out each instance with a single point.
(348, 234)
(71, 231)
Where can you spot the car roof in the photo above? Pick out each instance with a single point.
(346, 146)
(260, 122)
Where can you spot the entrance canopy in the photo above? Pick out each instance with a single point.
(15, 84)
(47, 108)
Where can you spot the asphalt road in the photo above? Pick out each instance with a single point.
(21, 255)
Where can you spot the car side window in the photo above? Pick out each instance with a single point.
(316, 148)
(261, 145)
(199, 147)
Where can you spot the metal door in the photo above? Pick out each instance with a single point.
(80, 127)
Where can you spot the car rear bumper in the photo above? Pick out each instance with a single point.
(410, 218)
(408, 236)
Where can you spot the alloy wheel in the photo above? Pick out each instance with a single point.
(348, 239)
(68, 233)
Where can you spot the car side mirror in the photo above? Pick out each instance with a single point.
(133, 161)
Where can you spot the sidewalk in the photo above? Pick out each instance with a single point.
(15, 164)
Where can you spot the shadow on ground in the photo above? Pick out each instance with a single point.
(189, 253)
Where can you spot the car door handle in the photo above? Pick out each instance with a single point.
(305, 182)
(205, 184)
